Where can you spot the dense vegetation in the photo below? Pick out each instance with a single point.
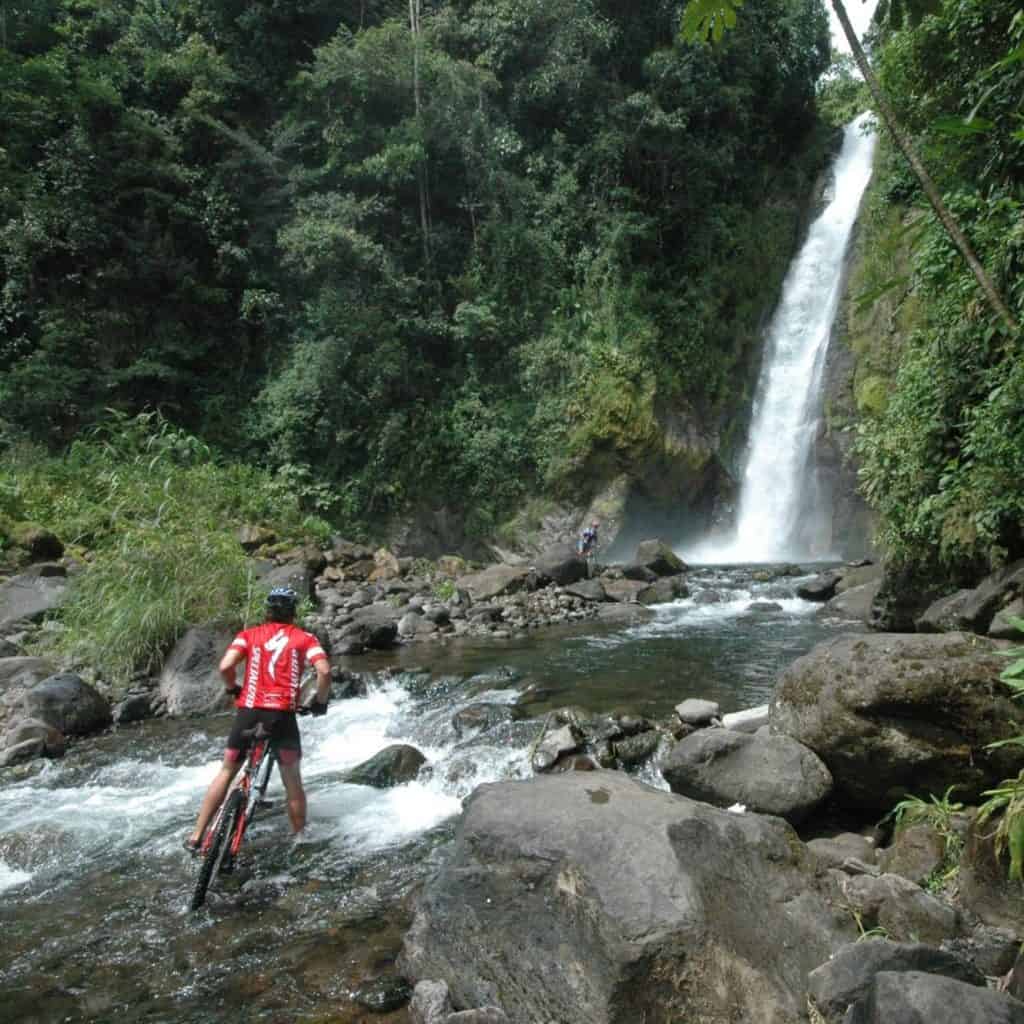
(456, 256)
(942, 382)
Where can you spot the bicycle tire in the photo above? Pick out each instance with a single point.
(218, 847)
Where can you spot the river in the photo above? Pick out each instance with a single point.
(95, 882)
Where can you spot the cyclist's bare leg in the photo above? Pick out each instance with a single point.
(291, 776)
(214, 796)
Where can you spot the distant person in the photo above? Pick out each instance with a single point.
(275, 653)
(586, 546)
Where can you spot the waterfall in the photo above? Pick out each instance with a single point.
(771, 523)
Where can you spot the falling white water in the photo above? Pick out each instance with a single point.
(768, 524)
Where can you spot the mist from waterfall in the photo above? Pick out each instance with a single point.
(771, 521)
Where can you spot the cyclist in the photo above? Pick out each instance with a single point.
(587, 544)
(275, 653)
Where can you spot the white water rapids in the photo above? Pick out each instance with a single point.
(771, 522)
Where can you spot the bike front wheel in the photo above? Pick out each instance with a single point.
(215, 855)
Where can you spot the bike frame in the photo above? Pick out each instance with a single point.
(253, 782)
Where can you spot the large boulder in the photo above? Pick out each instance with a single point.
(297, 575)
(914, 997)
(893, 715)
(374, 626)
(32, 594)
(767, 774)
(37, 541)
(664, 590)
(1003, 626)
(587, 896)
(497, 580)
(68, 703)
(389, 767)
(17, 674)
(560, 565)
(659, 558)
(820, 588)
(847, 978)
(903, 910)
(855, 602)
(189, 682)
(983, 882)
(945, 615)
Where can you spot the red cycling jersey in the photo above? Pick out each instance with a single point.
(276, 653)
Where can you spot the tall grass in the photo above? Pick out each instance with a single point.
(154, 513)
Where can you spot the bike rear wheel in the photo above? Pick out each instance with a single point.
(218, 848)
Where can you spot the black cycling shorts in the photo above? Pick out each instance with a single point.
(282, 726)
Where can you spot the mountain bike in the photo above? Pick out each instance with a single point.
(223, 839)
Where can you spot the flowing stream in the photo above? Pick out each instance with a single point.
(95, 882)
(774, 518)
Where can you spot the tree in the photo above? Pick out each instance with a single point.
(712, 17)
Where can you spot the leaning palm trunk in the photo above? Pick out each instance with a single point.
(928, 186)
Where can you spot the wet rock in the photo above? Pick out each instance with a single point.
(944, 615)
(409, 624)
(30, 595)
(383, 995)
(373, 627)
(486, 612)
(555, 744)
(847, 978)
(438, 614)
(904, 910)
(68, 703)
(392, 766)
(26, 750)
(821, 588)
(630, 886)
(913, 997)
(767, 774)
(484, 1015)
(189, 682)
(135, 707)
(664, 590)
(345, 552)
(694, 711)
(481, 717)
(764, 606)
(893, 715)
(854, 576)
(624, 591)
(916, 853)
(835, 851)
(707, 597)
(657, 556)
(634, 750)
(19, 673)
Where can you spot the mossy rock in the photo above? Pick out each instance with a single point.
(872, 396)
(36, 540)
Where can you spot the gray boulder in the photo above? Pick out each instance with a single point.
(556, 743)
(835, 851)
(904, 910)
(189, 682)
(53, 744)
(297, 575)
(497, 580)
(373, 626)
(634, 750)
(624, 591)
(32, 594)
(587, 590)
(748, 720)
(764, 606)
(694, 711)
(847, 978)
(821, 588)
(430, 1003)
(391, 766)
(26, 750)
(991, 594)
(913, 997)
(983, 883)
(68, 703)
(664, 590)
(657, 556)
(945, 615)
(560, 565)
(895, 714)
(484, 716)
(856, 602)
(587, 896)
(768, 774)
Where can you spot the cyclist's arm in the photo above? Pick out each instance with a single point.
(232, 657)
(323, 679)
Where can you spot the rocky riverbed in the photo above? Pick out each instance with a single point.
(677, 858)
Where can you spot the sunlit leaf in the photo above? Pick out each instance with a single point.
(958, 126)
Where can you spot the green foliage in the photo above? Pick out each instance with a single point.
(938, 813)
(1007, 802)
(154, 511)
